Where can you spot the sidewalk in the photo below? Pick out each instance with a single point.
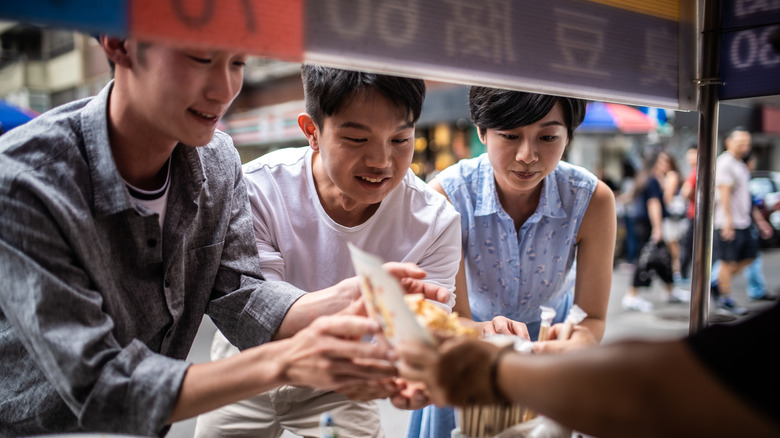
(672, 320)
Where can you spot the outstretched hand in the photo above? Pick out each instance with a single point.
(581, 337)
(456, 373)
(501, 325)
(402, 395)
(410, 276)
(329, 354)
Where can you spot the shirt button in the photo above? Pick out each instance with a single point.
(152, 243)
(167, 283)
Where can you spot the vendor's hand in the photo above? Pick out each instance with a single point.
(459, 375)
(412, 396)
(504, 326)
(581, 337)
(418, 363)
(328, 354)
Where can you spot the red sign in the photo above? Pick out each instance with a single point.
(261, 27)
(770, 119)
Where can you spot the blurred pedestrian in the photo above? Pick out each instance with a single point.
(674, 223)
(688, 192)
(625, 207)
(735, 242)
(655, 258)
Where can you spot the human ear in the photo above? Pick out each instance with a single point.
(309, 129)
(482, 134)
(116, 50)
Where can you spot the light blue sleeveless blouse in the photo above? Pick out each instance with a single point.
(512, 273)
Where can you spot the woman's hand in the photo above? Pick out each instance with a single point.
(501, 325)
(581, 337)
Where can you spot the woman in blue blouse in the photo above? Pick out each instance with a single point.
(536, 230)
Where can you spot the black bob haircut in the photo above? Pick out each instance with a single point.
(494, 108)
(328, 90)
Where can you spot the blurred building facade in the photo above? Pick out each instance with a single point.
(42, 68)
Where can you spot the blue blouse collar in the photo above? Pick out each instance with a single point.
(550, 204)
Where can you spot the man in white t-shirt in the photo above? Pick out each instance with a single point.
(352, 184)
(735, 240)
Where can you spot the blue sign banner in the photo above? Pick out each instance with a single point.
(93, 16)
(749, 65)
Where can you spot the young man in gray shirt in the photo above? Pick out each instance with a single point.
(125, 220)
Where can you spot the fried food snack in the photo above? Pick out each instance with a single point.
(437, 320)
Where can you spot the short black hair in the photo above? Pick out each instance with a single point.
(734, 130)
(327, 90)
(495, 108)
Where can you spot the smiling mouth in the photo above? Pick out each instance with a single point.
(372, 180)
(206, 116)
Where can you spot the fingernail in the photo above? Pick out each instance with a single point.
(392, 356)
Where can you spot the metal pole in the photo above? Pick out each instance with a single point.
(705, 167)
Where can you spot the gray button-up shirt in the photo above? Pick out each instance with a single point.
(98, 307)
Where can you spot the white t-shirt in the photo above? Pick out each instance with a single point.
(734, 173)
(300, 244)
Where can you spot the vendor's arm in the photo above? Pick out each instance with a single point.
(629, 389)
(626, 389)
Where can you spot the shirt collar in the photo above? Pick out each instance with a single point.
(107, 185)
(111, 195)
(550, 203)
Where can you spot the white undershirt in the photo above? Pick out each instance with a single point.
(155, 200)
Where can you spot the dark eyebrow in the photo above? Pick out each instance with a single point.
(356, 125)
(552, 123)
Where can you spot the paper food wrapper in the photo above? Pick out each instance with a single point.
(384, 297)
